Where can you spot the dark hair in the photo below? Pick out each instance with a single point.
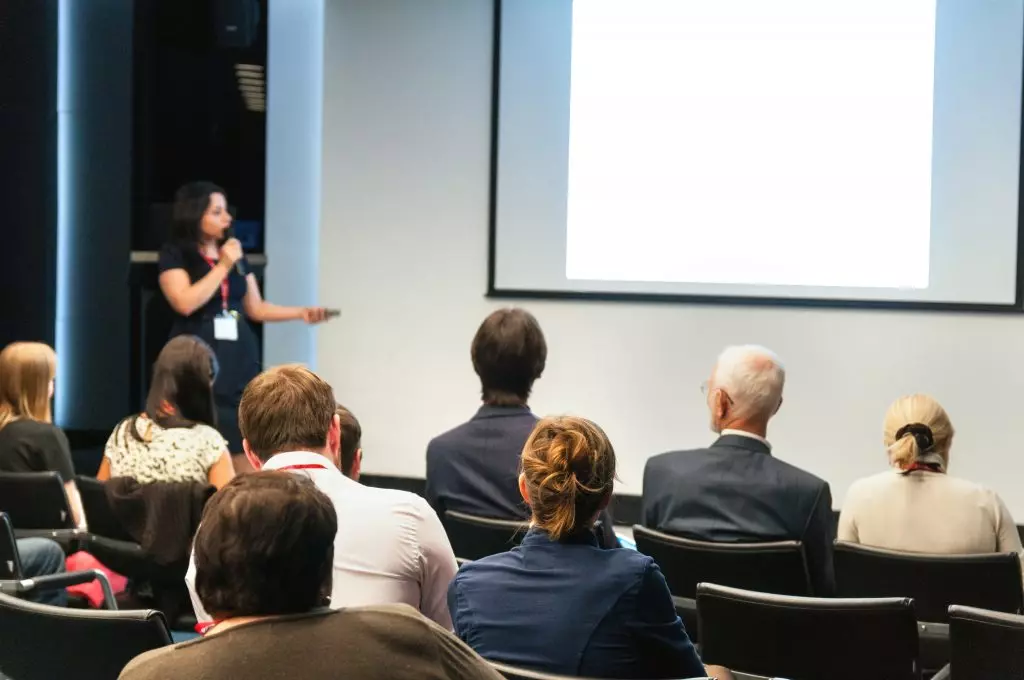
(351, 438)
(286, 408)
(508, 353)
(265, 546)
(569, 466)
(190, 203)
(182, 379)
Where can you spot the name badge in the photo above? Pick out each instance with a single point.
(225, 327)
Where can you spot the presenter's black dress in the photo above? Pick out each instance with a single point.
(238, 359)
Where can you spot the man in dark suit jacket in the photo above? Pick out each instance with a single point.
(474, 468)
(736, 490)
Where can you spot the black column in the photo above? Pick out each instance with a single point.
(28, 163)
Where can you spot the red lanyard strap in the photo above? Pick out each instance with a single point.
(223, 284)
(304, 466)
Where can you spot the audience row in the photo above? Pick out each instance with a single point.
(565, 600)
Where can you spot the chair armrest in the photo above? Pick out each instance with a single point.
(57, 581)
(69, 539)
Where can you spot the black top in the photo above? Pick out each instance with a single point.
(736, 491)
(176, 256)
(31, 446)
(239, 359)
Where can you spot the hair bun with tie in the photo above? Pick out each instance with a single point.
(922, 435)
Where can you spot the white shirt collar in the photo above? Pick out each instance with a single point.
(289, 458)
(750, 435)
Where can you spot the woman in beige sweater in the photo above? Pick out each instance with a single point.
(915, 506)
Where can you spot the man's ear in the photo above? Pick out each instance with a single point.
(777, 406)
(334, 440)
(253, 459)
(357, 463)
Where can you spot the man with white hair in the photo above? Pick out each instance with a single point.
(737, 491)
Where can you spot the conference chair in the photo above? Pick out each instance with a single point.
(38, 506)
(934, 582)
(777, 567)
(988, 581)
(807, 637)
(475, 537)
(41, 642)
(12, 574)
(986, 645)
(512, 673)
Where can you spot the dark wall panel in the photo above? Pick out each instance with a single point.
(28, 169)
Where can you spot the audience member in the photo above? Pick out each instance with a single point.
(42, 557)
(737, 490)
(29, 441)
(474, 468)
(351, 448)
(263, 567)
(393, 548)
(175, 439)
(558, 603)
(915, 506)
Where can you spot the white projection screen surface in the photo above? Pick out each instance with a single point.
(822, 151)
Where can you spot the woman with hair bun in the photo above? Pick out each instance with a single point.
(558, 603)
(915, 506)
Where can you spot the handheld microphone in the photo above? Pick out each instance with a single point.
(229, 233)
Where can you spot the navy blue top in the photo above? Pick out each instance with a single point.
(572, 608)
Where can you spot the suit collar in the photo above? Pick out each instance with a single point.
(486, 411)
(743, 441)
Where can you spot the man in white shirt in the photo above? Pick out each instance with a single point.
(390, 546)
(738, 490)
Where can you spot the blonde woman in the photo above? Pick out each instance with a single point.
(29, 441)
(559, 603)
(915, 506)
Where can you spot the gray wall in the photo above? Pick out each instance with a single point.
(403, 248)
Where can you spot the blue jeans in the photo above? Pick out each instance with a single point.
(42, 557)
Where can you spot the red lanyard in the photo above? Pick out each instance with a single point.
(926, 467)
(223, 284)
(305, 466)
(204, 626)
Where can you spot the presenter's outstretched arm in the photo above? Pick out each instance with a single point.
(258, 309)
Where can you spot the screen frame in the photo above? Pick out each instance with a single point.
(1017, 307)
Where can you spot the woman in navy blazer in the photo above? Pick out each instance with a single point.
(558, 603)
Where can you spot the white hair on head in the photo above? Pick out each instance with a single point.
(753, 376)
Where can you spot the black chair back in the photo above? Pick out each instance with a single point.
(35, 500)
(778, 567)
(97, 508)
(986, 645)
(934, 582)
(511, 673)
(475, 537)
(41, 642)
(808, 638)
(10, 563)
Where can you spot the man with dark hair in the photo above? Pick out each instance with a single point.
(351, 447)
(268, 582)
(390, 546)
(474, 468)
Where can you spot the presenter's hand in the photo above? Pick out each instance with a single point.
(312, 315)
(231, 252)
